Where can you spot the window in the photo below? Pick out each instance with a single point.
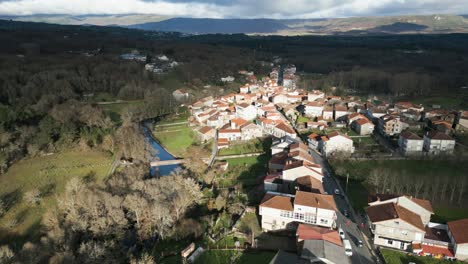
(323, 221)
(390, 242)
(402, 246)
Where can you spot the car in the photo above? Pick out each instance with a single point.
(359, 243)
(346, 213)
(341, 232)
(337, 192)
(348, 248)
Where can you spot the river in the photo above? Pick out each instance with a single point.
(161, 153)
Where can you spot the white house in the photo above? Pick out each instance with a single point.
(410, 143)
(390, 125)
(327, 113)
(436, 142)
(363, 126)
(228, 79)
(353, 117)
(250, 131)
(421, 207)
(314, 109)
(458, 233)
(280, 99)
(206, 133)
(295, 169)
(341, 112)
(336, 142)
(280, 211)
(246, 111)
(314, 95)
(395, 226)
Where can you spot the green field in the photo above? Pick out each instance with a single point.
(396, 257)
(48, 174)
(251, 146)
(114, 110)
(175, 139)
(244, 171)
(234, 257)
(444, 101)
(408, 170)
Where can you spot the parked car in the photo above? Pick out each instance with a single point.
(359, 243)
(337, 192)
(341, 232)
(346, 213)
(348, 248)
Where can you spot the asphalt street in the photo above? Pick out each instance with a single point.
(351, 224)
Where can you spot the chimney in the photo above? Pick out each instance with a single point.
(317, 200)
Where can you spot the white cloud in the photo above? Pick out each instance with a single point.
(236, 8)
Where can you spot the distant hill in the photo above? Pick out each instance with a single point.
(96, 20)
(212, 26)
(335, 26)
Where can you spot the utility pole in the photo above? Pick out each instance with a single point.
(347, 179)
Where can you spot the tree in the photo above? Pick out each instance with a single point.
(2, 208)
(33, 196)
(6, 255)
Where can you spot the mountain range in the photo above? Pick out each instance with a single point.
(427, 24)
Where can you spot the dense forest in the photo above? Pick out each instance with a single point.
(52, 79)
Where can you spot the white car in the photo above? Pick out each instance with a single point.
(337, 192)
(341, 232)
(348, 248)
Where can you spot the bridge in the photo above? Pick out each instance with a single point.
(166, 162)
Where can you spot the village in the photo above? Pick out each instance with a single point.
(301, 194)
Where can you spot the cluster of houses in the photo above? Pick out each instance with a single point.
(403, 223)
(397, 120)
(249, 114)
(160, 64)
(295, 200)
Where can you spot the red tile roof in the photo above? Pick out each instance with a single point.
(316, 200)
(438, 135)
(436, 251)
(459, 230)
(426, 204)
(389, 211)
(308, 232)
(277, 202)
(410, 135)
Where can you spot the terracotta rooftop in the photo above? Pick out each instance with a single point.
(308, 232)
(310, 184)
(205, 129)
(285, 128)
(410, 135)
(438, 135)
(277, 202)
(363, 121)
(392, 211)
(279, 158)
(336, 133)
(322, 201)
(459, 230)
(426, 204)
(299, 146)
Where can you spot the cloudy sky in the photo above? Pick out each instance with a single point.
(237, 8)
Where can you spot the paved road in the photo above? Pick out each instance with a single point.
(361, 255)
(214, 150)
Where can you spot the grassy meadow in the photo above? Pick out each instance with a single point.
(49, 175)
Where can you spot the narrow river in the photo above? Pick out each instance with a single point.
(161, 153)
